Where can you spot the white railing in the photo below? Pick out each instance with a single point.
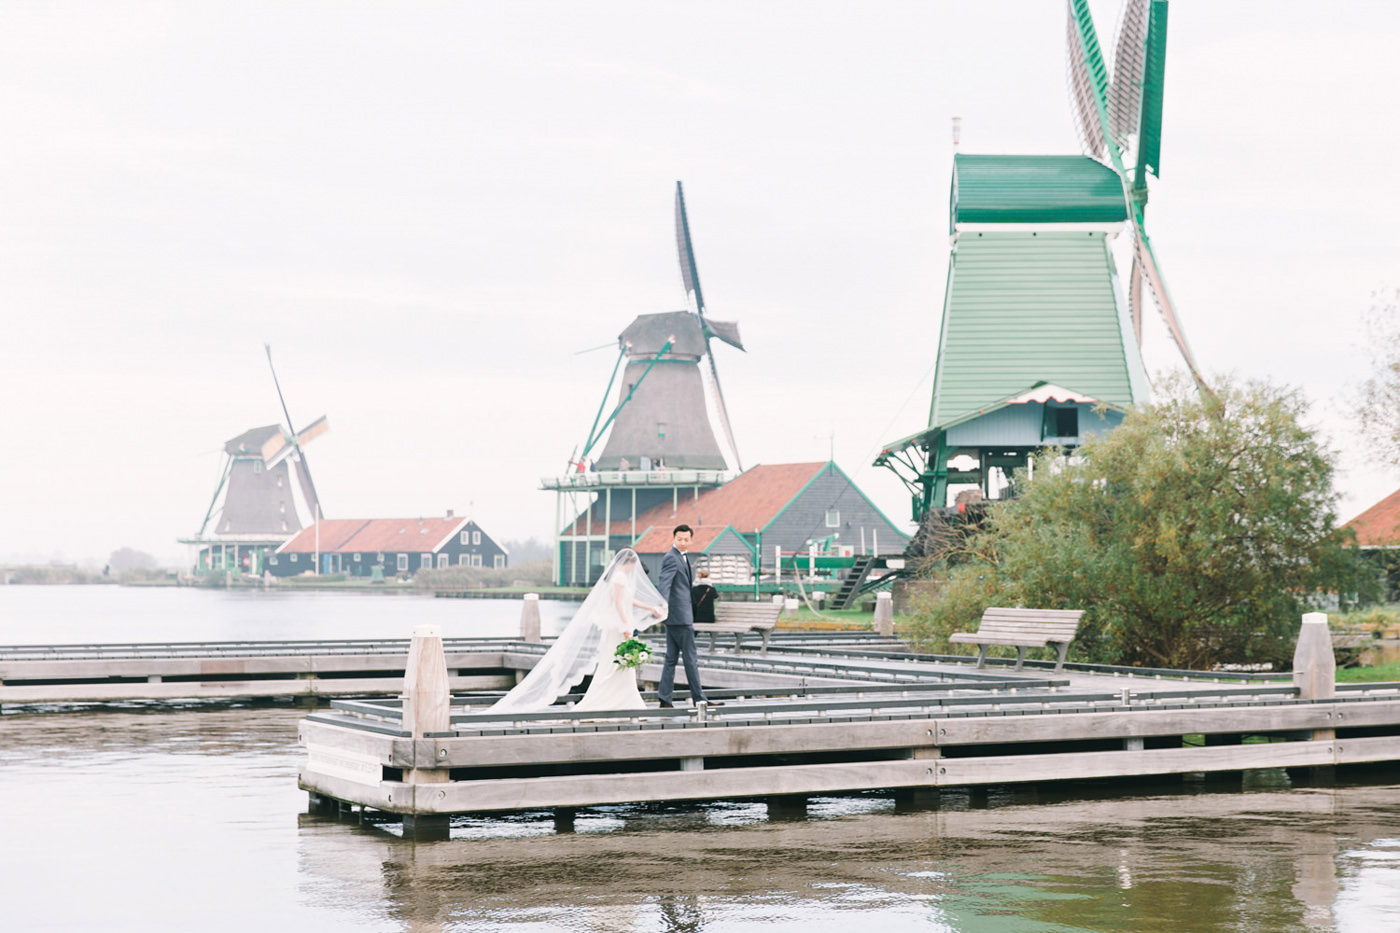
(626, 478)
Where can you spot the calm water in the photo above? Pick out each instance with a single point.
(176, 819)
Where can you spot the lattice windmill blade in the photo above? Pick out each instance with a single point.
(1135, 298)
(726, 331)
(723, 413)
(690, 276)
(1149, 141)
(308, 488)
(1129, 56)
(1146, 259)
(1088, 79)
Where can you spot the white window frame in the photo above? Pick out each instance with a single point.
(464, 560)
(476, 560)
(444, 560)
(357, 558)
(499, 562)
(466, 537)
(272, 561)
(403, 562)
(294, 558)
(425, 562)
(833, 518)
(476, 537)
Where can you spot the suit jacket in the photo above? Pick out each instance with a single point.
(674, 587)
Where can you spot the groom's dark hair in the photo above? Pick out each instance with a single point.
(679, 528)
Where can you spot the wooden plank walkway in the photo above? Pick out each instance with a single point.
(912, 726)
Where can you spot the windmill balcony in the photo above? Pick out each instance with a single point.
(636, 478)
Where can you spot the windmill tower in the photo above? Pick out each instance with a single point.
(660, 438)
(253, 509)
(1039, 346)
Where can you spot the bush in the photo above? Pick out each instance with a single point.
(537, 575)
(1191, 535)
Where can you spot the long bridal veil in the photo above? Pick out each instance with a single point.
(610, 607)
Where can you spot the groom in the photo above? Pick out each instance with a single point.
(675, 586)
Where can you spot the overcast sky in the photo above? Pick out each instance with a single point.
(428, 209)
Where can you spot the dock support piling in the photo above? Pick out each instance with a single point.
(564, 819)
(530, 619)
(1315, 674)
(426, 827)
(884, 613)
(787, 806)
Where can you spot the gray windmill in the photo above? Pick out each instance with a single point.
(661, 412)
(253, 509)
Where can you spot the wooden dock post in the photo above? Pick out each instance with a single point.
(1315, 675)
(427, 707)
(530, 619)
(884, 613)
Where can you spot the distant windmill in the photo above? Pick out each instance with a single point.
(254, 496)
(1120, 116)
(661, 411)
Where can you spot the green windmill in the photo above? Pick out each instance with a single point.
(1040, 342)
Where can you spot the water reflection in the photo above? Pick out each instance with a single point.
(161, 816)
(1206, 859)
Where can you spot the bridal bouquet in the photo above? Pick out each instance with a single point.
(631, 653)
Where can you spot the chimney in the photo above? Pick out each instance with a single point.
(449, 513)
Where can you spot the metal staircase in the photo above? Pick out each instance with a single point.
(850, 586)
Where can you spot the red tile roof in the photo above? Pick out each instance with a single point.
(1380, 524)
(658, 539)
(334, 533)
(748, 502)
(376, 534)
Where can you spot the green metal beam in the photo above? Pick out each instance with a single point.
(630, 392)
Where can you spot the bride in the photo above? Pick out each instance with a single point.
(622, 601)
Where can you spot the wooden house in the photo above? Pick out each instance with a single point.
(400, 546)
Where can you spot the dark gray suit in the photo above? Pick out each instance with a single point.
(674, 586)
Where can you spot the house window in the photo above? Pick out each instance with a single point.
(1061, 422)
(466, 537)
(476, 537)
(294, 558)
(464, 560)
(381, 557)
(403, 562)
(476, 560)
(833, 518)
(272, 561)
(443, 560)
(500, 561)
(357, 558)
(425, 562)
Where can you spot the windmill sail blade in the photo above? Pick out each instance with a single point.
(723, 412)
(280, 447)
(1088, 78)
(1148, 261)
(728, 331)
(308, 489)
(1149, 145)
(690, 276)
(1125, 94)
(1135, 298)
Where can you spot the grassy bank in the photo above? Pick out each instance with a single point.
(1379, 673)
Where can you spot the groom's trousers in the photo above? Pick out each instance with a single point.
(680, 643)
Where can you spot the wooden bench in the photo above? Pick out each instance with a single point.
(1022, 629)
(739, 619)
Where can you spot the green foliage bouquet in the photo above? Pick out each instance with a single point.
(631, 653)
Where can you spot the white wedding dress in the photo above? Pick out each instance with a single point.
(623, 600)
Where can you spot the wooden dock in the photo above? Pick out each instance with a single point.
(910, 725)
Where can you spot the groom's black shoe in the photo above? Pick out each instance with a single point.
(666, 704)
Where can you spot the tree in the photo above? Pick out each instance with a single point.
(1191, 534)
(1379, 408)
(126, 558)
